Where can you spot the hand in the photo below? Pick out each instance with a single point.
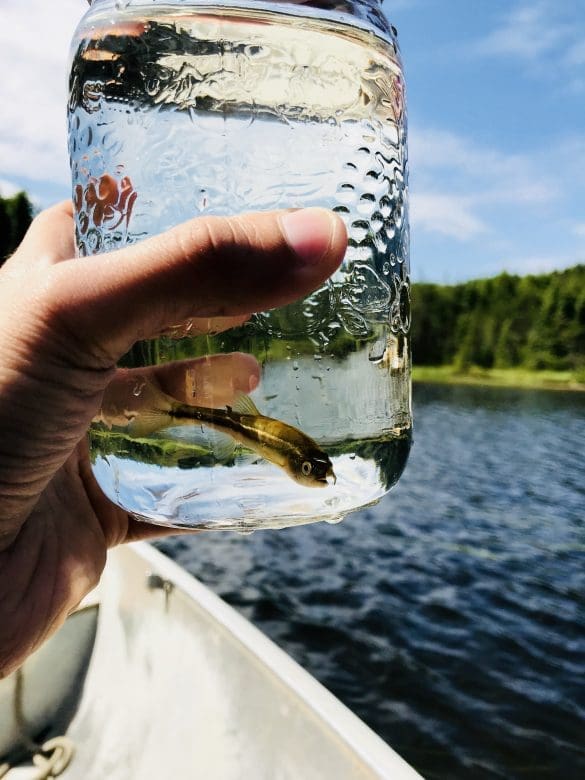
(65, 322)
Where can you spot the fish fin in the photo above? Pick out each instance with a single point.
(149, 421)
(244, 405)
(222, 444)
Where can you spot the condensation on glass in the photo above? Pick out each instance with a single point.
(179, 109)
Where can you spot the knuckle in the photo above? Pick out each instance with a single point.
(226, 237)
(217, 236)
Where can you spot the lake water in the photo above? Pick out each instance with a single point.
(451, 616)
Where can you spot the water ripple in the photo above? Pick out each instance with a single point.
(451, 617)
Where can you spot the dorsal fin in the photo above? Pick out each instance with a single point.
(244, 405)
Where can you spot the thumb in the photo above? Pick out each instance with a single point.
(207, 267)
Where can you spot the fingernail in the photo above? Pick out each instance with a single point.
(309, 233)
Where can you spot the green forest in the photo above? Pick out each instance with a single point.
(16, 214)
(532, 322)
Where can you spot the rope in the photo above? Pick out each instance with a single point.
(52, 757)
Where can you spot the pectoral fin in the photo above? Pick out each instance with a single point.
(222, 445)
(149, 421)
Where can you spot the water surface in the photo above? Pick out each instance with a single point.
(451, 616)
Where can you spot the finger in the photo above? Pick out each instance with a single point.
(196, 326)
(50, 237)
(207, 267)
(213, 381)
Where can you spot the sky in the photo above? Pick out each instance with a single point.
(496, 102)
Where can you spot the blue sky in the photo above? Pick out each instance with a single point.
(496, 92)
(496, 96)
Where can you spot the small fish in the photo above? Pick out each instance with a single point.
(276, 441)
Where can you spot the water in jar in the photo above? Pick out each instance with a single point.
(176, 112)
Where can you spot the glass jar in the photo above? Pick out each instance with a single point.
(181, 108)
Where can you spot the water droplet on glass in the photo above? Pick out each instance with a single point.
(202, 200)
(385, 206)
(377, 221)
(295, 365)
(386, 268)
(377, 351)
(359, 230)
(346, 193)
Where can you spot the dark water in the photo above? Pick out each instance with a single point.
(451, 617)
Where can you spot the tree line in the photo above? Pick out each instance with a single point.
(16, 214)
(536, 322)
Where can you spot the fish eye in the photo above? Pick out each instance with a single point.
(306, 468)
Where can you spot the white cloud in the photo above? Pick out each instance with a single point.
(579, 229)
(537, 264)
(527, 31)
(575, 55)
(34, 46)
(8, 188)
(448, 215)
(476, 181)
(546, 37)
(481, 172)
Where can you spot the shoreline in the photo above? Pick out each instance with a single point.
(499, 377)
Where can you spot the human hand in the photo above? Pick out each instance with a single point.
(65, 322)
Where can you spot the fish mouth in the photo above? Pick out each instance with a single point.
(330, 473)
(324, 481)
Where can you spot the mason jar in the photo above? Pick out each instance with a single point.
(182, 108)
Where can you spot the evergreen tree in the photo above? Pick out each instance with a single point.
(507, 353)
(534, 321)
(5, 231)
(22, 214)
